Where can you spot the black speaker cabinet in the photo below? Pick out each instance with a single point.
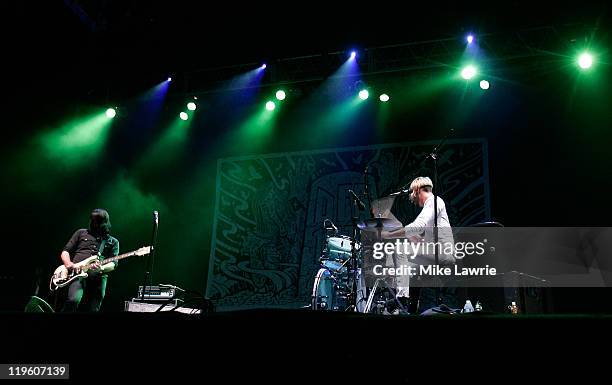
(529, 293)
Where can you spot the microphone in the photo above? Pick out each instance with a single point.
(356, 198)
(331, 225)
(156, 217)
(401, 192)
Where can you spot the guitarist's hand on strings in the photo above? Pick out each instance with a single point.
(69, 265)
(95, 267)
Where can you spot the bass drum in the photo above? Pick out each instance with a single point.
(329, 292)
(324, 291)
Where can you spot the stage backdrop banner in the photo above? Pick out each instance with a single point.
(268, 227)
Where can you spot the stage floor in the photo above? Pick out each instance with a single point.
(249, 344)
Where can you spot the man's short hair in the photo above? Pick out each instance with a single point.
(421, 182)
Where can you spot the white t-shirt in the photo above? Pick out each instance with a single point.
(424, 222)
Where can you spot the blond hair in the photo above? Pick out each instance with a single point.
(421, 182)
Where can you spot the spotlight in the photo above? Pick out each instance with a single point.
(364, 94)
(468, 72)
(280, 95)
(111, 113)
(484, 84)
(353, 54)
(470, 38)
(585, 61)
(183, 115)
(270, 106)
(169, 79)
(191, 106)
(384, 98)
(263, 66)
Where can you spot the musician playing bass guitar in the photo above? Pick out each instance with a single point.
(82, 245)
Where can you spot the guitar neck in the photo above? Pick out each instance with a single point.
(118, 257)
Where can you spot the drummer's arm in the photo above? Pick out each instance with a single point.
(400, 234)
(394, 234)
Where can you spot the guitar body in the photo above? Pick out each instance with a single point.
(62, 277)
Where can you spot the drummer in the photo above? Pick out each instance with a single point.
(421, 229)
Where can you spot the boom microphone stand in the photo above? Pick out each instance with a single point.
(434, 156)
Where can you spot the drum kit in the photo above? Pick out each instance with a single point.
(339, 284)
(333, 282)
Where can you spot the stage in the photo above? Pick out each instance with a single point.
(271, 171)
(285, 344)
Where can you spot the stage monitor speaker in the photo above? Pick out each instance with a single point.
(38, 305)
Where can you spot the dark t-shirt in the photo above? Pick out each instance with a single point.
(83, 245)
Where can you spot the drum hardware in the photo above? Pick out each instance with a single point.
(382, 304)
(371, 296)
(329, 226)
(352, 268)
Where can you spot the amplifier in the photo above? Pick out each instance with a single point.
(529, 293)
(156, 293)
(134, 306)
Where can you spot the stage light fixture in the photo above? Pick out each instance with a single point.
(470, 39)
(384, 98)
(263, 66)
(468, 72)
(353, 54)
(111, 113)
(281, 95)
(191, 106)
(169, 79)
(364, 94)
(270, 106)
(585, 60)
(484, 84)
(183, 115)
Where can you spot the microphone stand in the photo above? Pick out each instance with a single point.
(366, 192)
(356, 206)
(148, 270)
(352, 266)
(434, 156)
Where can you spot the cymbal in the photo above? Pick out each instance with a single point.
(376, 224)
